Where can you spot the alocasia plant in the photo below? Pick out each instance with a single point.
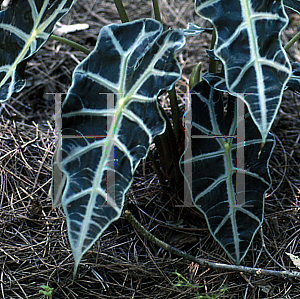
(111, 114)
(292, 4)
(24, 27)
(215, 171)
(255, 64)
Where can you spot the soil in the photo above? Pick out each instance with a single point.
(34, 246)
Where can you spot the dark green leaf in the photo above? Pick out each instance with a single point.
(292, 4)
(112, 109)
(24, 27)
(217, 171)
(247, 42)
(217, 80)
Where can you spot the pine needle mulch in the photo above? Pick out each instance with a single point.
(34, 247)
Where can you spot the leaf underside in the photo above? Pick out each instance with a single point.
(247, 42)
(24, 27)
(109, 119)
(193, 29)
(218, 175)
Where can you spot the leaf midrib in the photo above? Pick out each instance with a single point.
(246, 10)
(34, 33)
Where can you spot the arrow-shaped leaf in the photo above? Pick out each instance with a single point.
(109, 119)
(24, 27)
(229, 193)
(247, 42)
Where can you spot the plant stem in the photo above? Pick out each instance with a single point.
(213, 64)
(156, 10)
(70, 43)
(162, 143)
(121, 10)
(254, 271)
(196, 75)
(157, 169)
(175, 111)
(170, 146)
(292, 41)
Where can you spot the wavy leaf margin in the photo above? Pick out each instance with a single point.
(132, 62)
(247, 42)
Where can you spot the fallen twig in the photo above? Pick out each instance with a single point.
(255, 271)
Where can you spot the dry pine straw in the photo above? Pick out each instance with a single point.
(34, 248)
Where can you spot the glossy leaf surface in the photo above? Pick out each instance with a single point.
(292, 4)
(247, 42)
(217, 80)
(24, 27)
(109, 119)
(229, 193)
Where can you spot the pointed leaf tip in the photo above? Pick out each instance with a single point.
(112, 108)
(231, 195)
(256, 66)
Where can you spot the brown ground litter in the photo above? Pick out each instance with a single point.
(34, 247)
